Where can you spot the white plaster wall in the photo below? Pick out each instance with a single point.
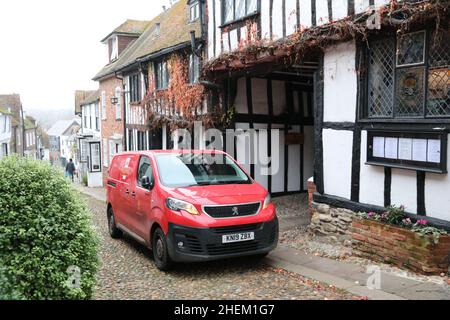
(259, 96)
(243, 147)
(241, 96)
(337, 162)
(294, 164)
(233, 40)
(437, 194)
(291, 16)
(322, 12)
(218, 30)
(279, 94)
(308, 155)
(211, 44)
(361, 5)
(305, 14)
(340, 83)
(371, 190)
(95, 179)
(261, 148)
(277, 19)
(265, 19)
(278, 177)
(404, 189)
(340, 9)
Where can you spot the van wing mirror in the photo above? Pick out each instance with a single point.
(147, 182)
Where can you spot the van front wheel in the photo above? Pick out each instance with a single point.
(160, 251)
(114, 232)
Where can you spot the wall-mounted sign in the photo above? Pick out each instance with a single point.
(422, 151)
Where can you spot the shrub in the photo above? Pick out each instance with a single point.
(45, 231)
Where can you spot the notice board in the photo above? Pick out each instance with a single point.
(413, 150)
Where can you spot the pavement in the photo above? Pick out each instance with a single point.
(342, 275)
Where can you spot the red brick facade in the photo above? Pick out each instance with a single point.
(111, 126)
(402, 247)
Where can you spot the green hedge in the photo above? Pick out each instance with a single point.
(45, 231)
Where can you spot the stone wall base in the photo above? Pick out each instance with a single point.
(327, 220)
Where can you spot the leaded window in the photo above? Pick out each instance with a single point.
(237, 9)
(409, 77)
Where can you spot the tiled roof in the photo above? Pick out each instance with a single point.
(130, 27)
(174, 29)
(60, 127)
(12, 102)
(80, 97)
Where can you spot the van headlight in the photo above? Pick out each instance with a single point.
(267, 201)
(178, 205)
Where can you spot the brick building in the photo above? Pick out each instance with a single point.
(111, 89)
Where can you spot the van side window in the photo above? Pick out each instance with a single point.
(144, 170)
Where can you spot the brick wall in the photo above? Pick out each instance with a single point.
(402, 247)
(110, 126)
(123, 42)
(311, 190)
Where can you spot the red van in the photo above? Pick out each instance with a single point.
(189, 206)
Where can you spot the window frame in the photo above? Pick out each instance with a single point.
(161, 82)
(196, 6)
(237, 19)
(363, 84)
(135, 87)
(138, 182)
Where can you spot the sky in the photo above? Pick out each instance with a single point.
(50, 48)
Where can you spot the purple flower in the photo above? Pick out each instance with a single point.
(371, 214)
(407, 221)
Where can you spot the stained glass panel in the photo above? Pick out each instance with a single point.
(409, 93)
(411, 48)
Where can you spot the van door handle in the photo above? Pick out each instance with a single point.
(127, 191)
(133, 194)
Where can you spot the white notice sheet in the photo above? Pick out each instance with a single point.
(391, 151)
(378, 147)
(405, 148)
(434, 151)
(420, 150)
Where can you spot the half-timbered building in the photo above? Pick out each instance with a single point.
(359, 90)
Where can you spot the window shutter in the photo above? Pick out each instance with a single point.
(105, 153)
(118, 105)
(103, 102)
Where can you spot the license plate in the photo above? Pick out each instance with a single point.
(238, 237)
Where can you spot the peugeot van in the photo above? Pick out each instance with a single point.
(189, 206)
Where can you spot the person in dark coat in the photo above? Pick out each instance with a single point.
(70, 168)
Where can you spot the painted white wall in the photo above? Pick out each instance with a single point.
(404, 189)
(305, 14)
(308, 154)
(337, 162)
(233, 40)
(279, 91)
(261, 148)
(361, 5)
(291, 16)
(322, 12)
(218, 30)
(371, 190)
(211, 44)
(277, 19)
(278, 177)
(437, 194)
(259, 96)
(340, 83)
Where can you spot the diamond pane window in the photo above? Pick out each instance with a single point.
(409, 93)
(252, 6)
(228, 10)
(439, 75)
(240, 8)
(411, 48)
(381, 78)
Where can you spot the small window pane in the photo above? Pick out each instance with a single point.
(409, 92)
(411, 48)
(381, 78)
(240, 9)
(438, 92)
(252, 6)
(440, 49)
(228, 10)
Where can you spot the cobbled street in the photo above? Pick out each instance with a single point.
(127, 272)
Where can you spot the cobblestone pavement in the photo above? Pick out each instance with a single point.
(127, 272)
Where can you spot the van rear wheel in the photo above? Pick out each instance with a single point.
(114, 232)
(160, 251)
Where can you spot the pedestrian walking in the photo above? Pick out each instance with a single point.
(70, 169)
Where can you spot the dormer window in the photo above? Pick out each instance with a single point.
(194, 11)
(114, 48)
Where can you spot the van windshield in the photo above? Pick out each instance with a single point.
(196, 169)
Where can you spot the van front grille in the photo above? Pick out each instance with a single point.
(232, 211)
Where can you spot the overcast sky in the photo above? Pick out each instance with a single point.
(50, 48)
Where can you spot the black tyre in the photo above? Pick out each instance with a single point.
(114, 232)
(160, 251)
